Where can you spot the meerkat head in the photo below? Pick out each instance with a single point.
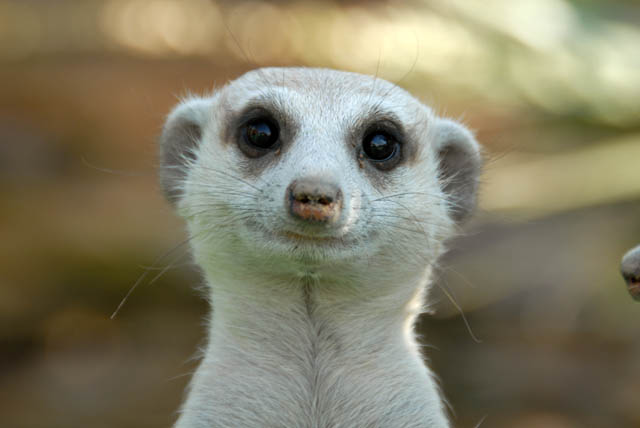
(293, 170)
(630, 268)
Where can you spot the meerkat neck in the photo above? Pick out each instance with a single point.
(306, 312)
(313, 354)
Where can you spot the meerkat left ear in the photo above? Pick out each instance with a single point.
(460, 163)
(181, 136)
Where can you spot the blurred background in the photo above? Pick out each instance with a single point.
(551, 87)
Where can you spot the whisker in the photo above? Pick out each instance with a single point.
(224, 173)
(112, 171)
(455, 303)
(440, 197)
(177, 265)
(460, 275)
(398, 227)
(396, 216)
(396, 195)
(146, 273)
(481, 421)
(220, 172)
(162, 272)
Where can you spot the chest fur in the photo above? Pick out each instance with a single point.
(308, 372)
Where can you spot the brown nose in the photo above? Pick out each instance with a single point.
(314, 200)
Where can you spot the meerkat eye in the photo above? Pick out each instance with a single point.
(381, 148)
(260, 133)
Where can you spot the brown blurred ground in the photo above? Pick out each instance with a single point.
(84, 87)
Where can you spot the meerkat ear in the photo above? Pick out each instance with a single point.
(181, 136)
(460, 163)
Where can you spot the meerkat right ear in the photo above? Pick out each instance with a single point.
(179, 142)
(460, 163)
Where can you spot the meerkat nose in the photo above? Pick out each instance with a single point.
(314, 200)
(630, 268)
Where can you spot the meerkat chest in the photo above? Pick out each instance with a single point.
(309, 378)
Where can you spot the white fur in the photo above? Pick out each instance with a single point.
(314, 334)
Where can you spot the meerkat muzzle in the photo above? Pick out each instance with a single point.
(314, 201)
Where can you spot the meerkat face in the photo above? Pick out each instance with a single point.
(317, 166)
(630, 268)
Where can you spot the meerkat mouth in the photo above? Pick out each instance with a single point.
(299, 240)
(295, 238)
(311, 238)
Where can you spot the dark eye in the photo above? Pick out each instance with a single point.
(380, 146)
(260, 133)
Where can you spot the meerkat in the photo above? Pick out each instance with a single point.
(317, 203)
(630, 268)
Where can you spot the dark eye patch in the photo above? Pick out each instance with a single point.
(260, 131)
(259, 136)
(380, 147)
(382, 143)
